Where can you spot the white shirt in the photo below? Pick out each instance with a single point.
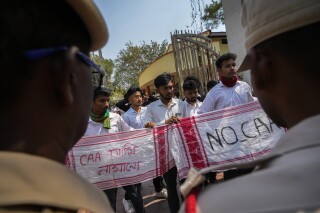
(135, 119)
(189, 110)
(158, 112)
(221, 96)
(117, 124)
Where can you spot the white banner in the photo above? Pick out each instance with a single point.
(236, 134)
(240, 133)
(124, 158)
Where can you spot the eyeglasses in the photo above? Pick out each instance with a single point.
(97, 73)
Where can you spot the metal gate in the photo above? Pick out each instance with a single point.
(194, 56)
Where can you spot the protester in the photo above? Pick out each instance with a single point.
(287, 179)
(229, 92)
(102, 122)
(191, 104)
(166, 110)
(201, 92)
(45, 101)
(134, 117)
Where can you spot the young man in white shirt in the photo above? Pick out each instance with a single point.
(191, 103)
(101, 122)
(166, 110)
(229, 92)
(135, 118)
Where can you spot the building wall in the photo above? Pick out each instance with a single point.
(235, 32)
(218, 46)
(165, 63)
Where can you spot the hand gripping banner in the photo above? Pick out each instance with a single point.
(235, 134)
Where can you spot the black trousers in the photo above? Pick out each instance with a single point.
(158, 184)
(170, 178)
(133, 192)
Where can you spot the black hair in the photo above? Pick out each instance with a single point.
(132, 90)
(301, 54)
(196, 80)
(30, 25)
(211, 84)
(225, 57)
(162, 80)
(101, 92)
(189, 85)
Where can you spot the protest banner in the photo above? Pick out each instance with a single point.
(124, 158)
(235, 134)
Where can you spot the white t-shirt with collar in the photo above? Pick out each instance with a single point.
(221, 96)
(190, 110)
(157, 112)
(117, 124)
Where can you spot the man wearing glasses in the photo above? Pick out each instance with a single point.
(46, 91)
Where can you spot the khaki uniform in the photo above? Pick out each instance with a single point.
(31, 183)
(287, 180)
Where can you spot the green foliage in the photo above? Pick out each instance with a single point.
(213, 15)
(133, 59)
(117, 95)
(107, 65)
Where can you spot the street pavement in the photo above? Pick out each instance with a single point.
(151, 203)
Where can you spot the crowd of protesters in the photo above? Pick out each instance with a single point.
(50, 102)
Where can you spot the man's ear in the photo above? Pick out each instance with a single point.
(262, 69)
(68, 65)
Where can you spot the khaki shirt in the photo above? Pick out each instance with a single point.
(30, 183)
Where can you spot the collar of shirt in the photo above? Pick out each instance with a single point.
(197, 105)
(173, 103)
(132, 111)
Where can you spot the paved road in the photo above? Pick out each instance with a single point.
(151, 203)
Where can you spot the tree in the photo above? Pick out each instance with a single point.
(107, 66)
(133, 59)
(213, 15)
